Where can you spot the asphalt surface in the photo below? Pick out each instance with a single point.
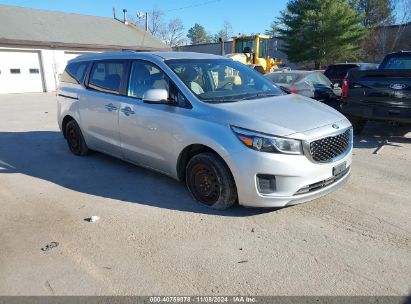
(152, 239)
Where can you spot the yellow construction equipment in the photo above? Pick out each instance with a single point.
(253, 51)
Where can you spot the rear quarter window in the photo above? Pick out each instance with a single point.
(74, 72)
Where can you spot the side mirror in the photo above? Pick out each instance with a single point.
(156, 96)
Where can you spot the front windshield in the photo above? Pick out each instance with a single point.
(222, 80)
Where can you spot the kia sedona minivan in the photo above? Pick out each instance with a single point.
(222, 128)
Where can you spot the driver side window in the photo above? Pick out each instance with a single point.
(145, 76)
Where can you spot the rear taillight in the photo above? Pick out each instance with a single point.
(293, 91)
(344, 89)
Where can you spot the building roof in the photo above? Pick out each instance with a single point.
(26, 26)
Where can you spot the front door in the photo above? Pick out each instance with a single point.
(148, 131)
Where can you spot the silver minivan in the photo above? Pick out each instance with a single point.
(219, 126)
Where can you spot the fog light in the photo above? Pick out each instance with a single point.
(266, 183)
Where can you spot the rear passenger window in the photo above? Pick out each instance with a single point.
(74, 72)
(106, 76)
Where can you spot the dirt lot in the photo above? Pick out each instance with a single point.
(153, 239)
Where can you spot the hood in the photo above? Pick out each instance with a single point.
(279, 115)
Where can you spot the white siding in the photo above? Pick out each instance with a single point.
(50, 75)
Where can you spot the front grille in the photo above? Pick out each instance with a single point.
(328, 148)
(323, 183)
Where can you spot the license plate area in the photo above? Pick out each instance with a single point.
(339, 169)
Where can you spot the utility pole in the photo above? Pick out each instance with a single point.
(146, 22)
(152, 20)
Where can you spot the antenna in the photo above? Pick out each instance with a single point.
(142, 15)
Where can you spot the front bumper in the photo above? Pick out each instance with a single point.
(292, 173)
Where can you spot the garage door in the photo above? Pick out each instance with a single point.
(20, 72)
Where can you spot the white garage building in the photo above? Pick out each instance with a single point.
(35, 45)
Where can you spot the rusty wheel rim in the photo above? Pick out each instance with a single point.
(204, 183)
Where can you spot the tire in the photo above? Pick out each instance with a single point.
(75, 139)
(358, 124)
(210, 181)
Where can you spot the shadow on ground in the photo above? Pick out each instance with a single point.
(45, 155)
(376, 134)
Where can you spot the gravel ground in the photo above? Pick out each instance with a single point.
(152, 239)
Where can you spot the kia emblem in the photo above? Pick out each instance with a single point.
(335, 126)
(398, 86)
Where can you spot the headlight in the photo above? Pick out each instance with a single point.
(268, 143)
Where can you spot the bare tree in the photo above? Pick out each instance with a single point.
(155, 24)
(403, 17)
(225, 33)
(227, 30)
(172, 33)
(387, 24)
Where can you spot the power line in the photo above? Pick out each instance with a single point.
(194, 5)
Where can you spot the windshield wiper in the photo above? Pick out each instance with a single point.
(258, 95)
(225, 98)
(248, 96)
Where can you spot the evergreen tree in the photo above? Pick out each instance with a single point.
(320, 31)
(273, 30)
(197, 34)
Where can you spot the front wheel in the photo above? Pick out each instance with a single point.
(210, 181)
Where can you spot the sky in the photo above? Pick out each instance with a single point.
(245, 16)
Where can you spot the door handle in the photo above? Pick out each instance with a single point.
(110, 107)
(127, 111)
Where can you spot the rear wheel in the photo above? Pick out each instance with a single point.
(358, 124)
(210, 181)
(75, 139)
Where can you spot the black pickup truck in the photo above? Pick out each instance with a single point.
(382, 94)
